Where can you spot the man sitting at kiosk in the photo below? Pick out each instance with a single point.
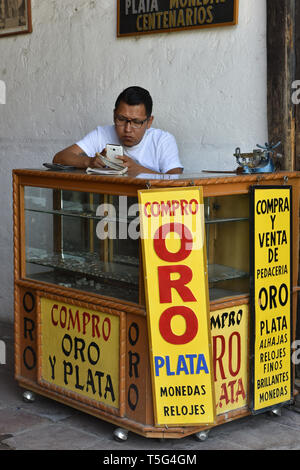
(146, 149)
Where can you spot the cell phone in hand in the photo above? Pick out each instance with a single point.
(112, 151)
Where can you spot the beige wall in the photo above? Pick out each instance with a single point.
(208, 86)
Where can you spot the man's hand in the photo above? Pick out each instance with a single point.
(96, 162)
(133, 167)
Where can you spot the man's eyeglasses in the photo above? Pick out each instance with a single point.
(121, 121)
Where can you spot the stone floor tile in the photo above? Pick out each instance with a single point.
(49, 425)
(13, 420)
(90, 424)
(260, 432)
(10, 392)
(46, 408)
(55, 436)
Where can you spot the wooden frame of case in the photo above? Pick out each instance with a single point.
(28, 292)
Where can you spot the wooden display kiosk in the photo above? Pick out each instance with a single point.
(87, 292)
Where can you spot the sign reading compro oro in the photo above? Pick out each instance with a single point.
(158, 16)
(271, 295)
(173, 242)
(80, 351)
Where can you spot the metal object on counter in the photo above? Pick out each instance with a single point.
(259, 161)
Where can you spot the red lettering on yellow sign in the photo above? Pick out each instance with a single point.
(166, 284)
(186, 242)
(171, 208)
(63, 317)
(230, 357)
(191, 325)
(172, 227)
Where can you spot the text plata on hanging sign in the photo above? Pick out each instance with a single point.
(271, 305)
(176, 285)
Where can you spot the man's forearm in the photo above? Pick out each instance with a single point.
(143, 169)
(67, 157)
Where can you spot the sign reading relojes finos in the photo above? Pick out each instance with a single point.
(159, 16)
(271, 269)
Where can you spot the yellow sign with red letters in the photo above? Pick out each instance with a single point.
(229, 330)
(80, 351)
(174, 254)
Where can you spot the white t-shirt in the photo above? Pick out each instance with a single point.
(157, 150)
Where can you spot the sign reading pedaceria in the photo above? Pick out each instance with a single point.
(271, 273)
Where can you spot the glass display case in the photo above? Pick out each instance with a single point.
(80, 290)
(227, 240)
(89, 241)
(78, 240)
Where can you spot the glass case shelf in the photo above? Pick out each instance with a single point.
(217, 273)
(124, 269)
(225, 220)
(84, 214)
(91, 215)
(82, 271)
(90, 284)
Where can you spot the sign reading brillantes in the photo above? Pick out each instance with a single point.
(271, 297)
(173, 242)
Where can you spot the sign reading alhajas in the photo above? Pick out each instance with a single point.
(271, 270)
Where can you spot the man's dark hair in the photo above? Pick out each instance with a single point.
(136, 95)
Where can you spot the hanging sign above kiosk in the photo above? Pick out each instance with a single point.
(161, 16)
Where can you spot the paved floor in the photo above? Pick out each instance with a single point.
(47, 425)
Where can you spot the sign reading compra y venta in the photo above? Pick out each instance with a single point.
(175, 270)
(271, 272)
(158, 16)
